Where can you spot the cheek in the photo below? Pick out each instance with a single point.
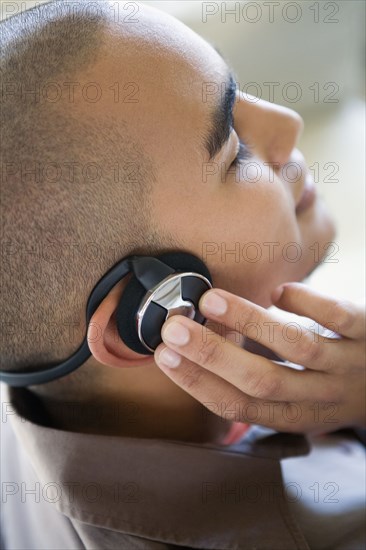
(260, 212)
(250, 248)
(241, 231)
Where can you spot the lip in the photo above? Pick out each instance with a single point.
(308, 195)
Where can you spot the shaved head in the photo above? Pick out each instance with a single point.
(126, 134)
(76, 187)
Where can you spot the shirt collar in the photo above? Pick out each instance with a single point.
(189, 494)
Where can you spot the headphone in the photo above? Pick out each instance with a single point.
(160, 287)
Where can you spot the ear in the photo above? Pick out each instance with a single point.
(104, 341)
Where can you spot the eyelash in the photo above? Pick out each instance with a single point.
(242, 155)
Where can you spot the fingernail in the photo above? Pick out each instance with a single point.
(213, 303)
(175, 333)
(277, 293)
(169, 358)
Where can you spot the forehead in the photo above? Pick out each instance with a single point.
(169, 78)
(154, 34)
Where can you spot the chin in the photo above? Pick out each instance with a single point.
(323, 231)
(317, 228)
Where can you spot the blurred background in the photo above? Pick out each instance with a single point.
(313, 53)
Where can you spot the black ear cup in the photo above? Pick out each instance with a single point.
(183, 261)
(155, 315)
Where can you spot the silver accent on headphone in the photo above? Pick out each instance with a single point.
(168, 294)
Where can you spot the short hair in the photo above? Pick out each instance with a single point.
(76, 192)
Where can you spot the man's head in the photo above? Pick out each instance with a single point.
(132, 139)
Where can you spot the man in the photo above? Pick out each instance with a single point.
(121, 135)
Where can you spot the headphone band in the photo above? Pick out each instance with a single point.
(100, 291)
(169, 284)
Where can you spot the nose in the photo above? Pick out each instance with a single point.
(270, 130)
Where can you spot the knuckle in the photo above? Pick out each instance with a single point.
(209, 353)
(291, 418)
(230, 406)
(249, 319)
(266, 386)
(331, 392)
(192, 377)
(342, 315)
(293, 414)
(309, 350)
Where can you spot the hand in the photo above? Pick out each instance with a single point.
(327, 394)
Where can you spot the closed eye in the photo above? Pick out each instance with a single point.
(242, 154)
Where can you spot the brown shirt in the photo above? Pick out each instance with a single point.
(63, 490)
(67, 490)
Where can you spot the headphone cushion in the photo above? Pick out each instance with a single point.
(134, 293)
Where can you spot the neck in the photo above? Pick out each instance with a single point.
(137, 402)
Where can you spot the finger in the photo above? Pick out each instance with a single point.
(203, 385)
(340, 316)
(259, 349)
(225, 333)
(252, 374)
(242, 341)
(290, 340)
(226, 401)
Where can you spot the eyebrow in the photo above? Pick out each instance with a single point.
(221, 119)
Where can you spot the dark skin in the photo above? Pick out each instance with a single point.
(170, 120)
